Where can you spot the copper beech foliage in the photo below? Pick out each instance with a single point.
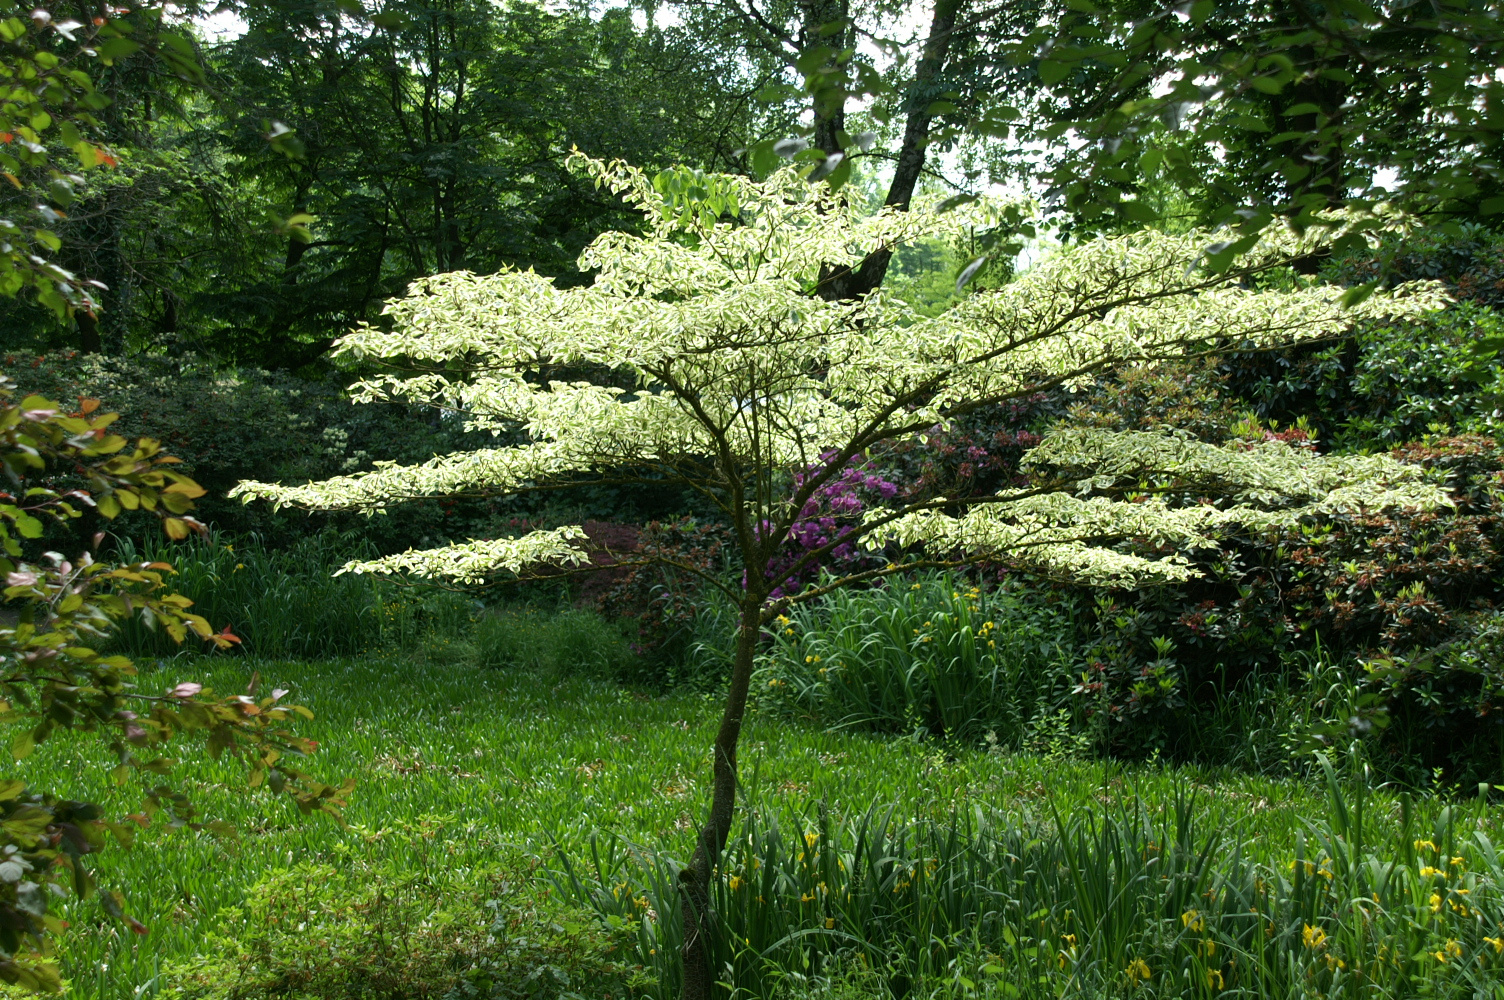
(58, 466)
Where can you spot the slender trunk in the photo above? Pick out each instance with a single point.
(694, 881)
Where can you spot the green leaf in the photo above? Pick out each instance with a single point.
(116, 48)
(1051, 72)
(1357, 295)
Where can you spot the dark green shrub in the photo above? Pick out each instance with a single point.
(938, 656)
(229, 424)
(1469, 259)
(1445, 706)
(1187, 396)
(327, 932)
(659, 601)
(1384, 385)
(1162, 662)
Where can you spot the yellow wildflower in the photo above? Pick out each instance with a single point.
(810, 839)
(1426, 845)
(830, 923)
(1453, 948)
(1214, 980)
(735, 883)
(1314, 937)
(1435, 902)
(1427, 871)
(1191, 921)
(1497, 942)
(808, 897)
(1333, 962)
(1138, 971)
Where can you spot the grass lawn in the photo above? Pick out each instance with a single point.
(454, 762)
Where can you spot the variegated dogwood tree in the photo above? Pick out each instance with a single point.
(741, 374)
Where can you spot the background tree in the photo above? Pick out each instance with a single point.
(749, 388)
(334, 152)
(924, 76)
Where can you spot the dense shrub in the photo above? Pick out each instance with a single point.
(1444, 706)
(659, 590)
(974, 454)
(229, 424)
(1469, 259)
(1392, 583)
(1384, 385)
(938, 656)
(1189, 396)
(340, 932)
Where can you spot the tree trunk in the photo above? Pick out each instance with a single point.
(830, 101)
(694, 881)
(88, 332)
(841, 283)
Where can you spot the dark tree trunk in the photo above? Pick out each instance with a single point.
(694, 881)
(88, 332)
(843, 282)
(829, 102)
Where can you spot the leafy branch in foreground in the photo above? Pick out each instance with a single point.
(52, 679)
(740, 372)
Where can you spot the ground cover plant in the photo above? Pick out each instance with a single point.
(482, 785)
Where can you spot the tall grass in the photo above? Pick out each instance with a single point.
(936, 656)
(555, 642)
(1137, 897)
(287, 603)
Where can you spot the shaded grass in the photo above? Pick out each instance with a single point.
(457, 763)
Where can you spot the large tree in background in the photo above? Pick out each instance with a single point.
(1241, 111)
(1273, 108)
(434, 134)
(886, 85)
(732, 376)
(337, 151)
